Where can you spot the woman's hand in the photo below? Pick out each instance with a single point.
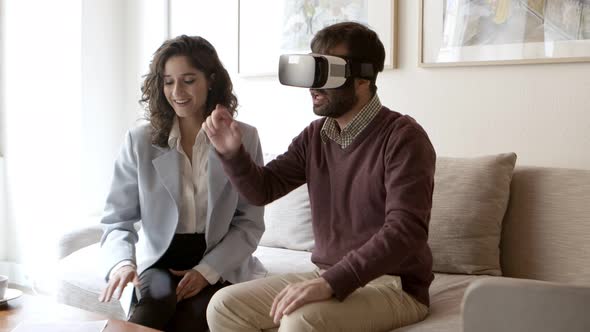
(223, 132)
(124, 275)
(191, 284)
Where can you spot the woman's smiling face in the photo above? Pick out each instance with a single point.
(185, 87)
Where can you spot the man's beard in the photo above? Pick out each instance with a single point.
(339, 101)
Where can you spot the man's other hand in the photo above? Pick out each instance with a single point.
(297, 295)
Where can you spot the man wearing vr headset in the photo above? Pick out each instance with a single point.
(370, 175)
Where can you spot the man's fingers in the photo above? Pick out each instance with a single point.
(235, 129)
(279, 312)
(136, 280)
(216, 119)
(221, 113)
(276, 301)
(209, 124)
(206, 128)
(281, 305)
(221, 108)
(221, 117)
(294, 305)
(296, 295)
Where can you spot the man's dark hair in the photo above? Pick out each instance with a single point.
(362, 43)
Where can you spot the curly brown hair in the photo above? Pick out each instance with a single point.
(202, 56)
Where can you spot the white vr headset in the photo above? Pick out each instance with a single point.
(319, 71)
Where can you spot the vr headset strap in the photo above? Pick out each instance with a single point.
(363, 70)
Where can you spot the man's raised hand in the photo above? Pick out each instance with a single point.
(223, 132)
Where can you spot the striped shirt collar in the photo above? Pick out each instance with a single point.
(346, 136)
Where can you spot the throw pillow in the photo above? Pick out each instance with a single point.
(288, 222)
(469, 201)
(288, 219)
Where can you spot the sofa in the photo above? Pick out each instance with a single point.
(511, 248)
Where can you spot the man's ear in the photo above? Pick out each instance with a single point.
(361, 83)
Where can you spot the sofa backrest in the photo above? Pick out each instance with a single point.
(546, 229)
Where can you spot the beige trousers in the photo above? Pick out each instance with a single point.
(379, 306)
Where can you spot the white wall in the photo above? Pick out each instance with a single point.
(104, 90)
(541, 112)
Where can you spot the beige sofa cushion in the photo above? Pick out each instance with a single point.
(282, 261)
(446, 296)
(469, 202)
(546, 231)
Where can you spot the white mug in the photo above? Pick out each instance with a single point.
(3, 286)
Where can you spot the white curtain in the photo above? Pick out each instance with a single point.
(71, 74)
(42, 117)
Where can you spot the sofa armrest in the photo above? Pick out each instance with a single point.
(78, 239)
(507, 304)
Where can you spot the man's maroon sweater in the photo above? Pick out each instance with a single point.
(370, 202)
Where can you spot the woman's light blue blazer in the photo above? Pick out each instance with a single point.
(146, 188)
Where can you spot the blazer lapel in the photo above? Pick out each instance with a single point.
(168, 168)
(217, 180)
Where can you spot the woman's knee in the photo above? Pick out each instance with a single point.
(157, 284)
(157, 299)
(154, 313)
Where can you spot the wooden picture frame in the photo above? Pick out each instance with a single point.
(468, 33)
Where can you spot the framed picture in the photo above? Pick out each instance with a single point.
(269, 28)
(491, 32)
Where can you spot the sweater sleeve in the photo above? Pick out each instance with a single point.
(261, 185)
(409, 182)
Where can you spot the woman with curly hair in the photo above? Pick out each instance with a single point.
(197, 234)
